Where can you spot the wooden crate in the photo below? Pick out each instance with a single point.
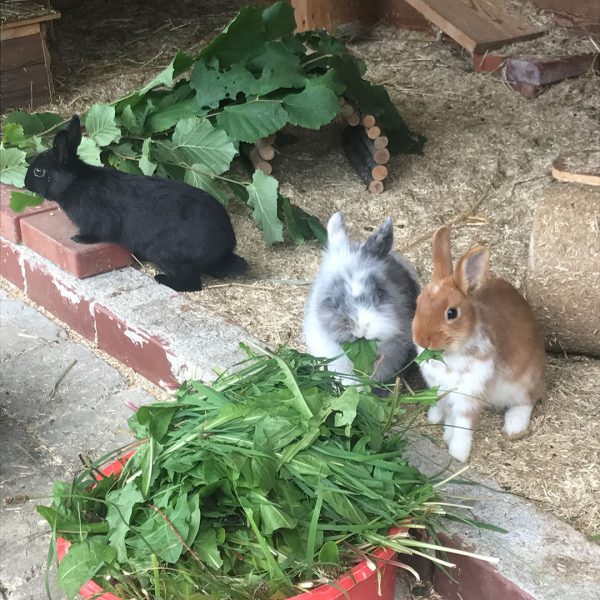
(25, 76)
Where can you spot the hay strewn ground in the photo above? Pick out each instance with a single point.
(487, 146)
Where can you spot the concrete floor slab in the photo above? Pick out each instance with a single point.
(49, 414)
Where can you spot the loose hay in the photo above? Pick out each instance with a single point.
(483, 140)
(563, 280)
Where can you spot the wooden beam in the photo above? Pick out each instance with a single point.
(542, 71)
(578, 168)
(477, 26)
(18, 32)
(39, 19)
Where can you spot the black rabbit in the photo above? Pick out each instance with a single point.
(184, 231)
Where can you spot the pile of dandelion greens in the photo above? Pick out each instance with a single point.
(273, 480)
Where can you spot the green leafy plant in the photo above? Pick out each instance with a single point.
(187, 123)
(274, 479)
(427, 354)
(363, 354)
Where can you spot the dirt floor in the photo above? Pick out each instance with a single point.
(487, 148)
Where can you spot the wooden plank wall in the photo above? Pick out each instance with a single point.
(25, 78)
(328, 14)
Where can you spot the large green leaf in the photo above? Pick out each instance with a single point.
(167, 117)
(213, 85)
(13, 134)
(252, 120)
(197, 141)
(89, 152)
(176, 67)
(274, 518)
(242, 38)
(301, 225)
(129, 121)
(13, 167)
(262, 198)
(208, 549)
(146, 165)
(279, 20)
(276, 67)
(121, 503)
(158, 530)
(100, 124)
(313, 107)
(34, 124)
(82, 562)
(198, 177)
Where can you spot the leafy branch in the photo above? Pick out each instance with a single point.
(187, 123)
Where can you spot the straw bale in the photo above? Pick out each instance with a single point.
(563, 277)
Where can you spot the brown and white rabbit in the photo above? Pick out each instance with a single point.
(493, 353)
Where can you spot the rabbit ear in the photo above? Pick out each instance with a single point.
(73, 130)
(67, 140)
(442, 256)
(380, 243)
(472, 269)
(336, 231)
(61, 146)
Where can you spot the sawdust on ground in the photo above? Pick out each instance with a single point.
(487, 147)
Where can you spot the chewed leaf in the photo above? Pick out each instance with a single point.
(363, 354)
(430, 355)
(19, 201)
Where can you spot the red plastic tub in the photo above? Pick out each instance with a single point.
(362, 583)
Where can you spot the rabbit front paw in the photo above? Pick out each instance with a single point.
(516, 421)
(460, 445)
(435, 414)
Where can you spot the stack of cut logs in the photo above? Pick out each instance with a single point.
(260, 153)
(365, 147)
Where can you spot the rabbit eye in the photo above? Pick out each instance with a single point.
(38, 172)
(451, 314)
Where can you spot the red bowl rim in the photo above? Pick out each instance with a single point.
(359, 573)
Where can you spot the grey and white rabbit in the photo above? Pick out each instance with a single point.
(362, 290)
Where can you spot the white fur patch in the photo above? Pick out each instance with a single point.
(357, 287)
(516, 420)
